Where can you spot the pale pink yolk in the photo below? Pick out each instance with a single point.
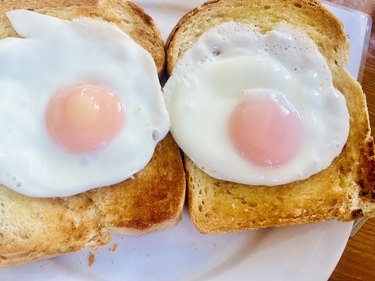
(266, 132)
(84, 118)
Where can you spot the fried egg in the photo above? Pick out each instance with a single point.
(81, 106)
(256, 108)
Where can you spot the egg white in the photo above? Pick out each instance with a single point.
(57, 53)
(233, 61)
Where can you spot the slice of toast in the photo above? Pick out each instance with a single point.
(36, 228)
(343, 191)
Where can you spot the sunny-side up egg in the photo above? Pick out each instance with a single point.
(256, 108)
(80, 106)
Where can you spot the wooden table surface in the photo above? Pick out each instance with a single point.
(358, 259)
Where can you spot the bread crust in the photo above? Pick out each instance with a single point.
(315, 20)
(37, 228)
(343, 191)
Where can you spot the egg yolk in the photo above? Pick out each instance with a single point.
(84, 118)
(266, 132)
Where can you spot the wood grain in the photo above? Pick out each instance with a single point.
(358, 260)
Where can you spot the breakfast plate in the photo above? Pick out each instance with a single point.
(306, 252)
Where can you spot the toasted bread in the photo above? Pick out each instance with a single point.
(38, 228)
(343, 191)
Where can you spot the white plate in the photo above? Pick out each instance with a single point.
(308, 252)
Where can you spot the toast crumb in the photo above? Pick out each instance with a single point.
(91, 259)
(114, 248)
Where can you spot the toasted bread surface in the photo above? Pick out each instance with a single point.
(343, 191)
(37, 228)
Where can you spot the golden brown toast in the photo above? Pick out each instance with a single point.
(38, 228)
(343, 191)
